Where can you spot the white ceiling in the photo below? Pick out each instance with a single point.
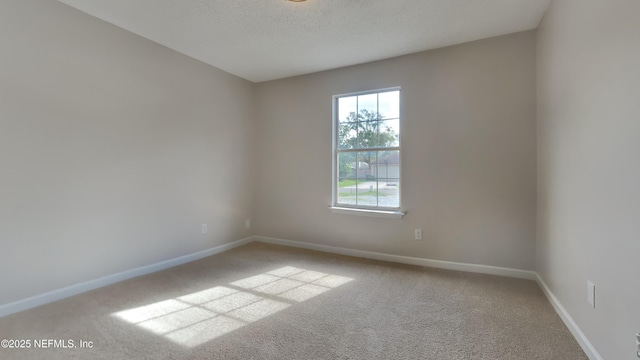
(262, 40)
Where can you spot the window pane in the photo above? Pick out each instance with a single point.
(368, 187)
(388, 164)
(387, 169)
(346, 178)
(346, 166)
(389, 104)
(347, 135)
(368, 104)
(388, 192)
(347, 108)
(368, 134)
(368, 194)
(389, 132)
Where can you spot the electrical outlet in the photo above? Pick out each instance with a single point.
(247, 224)
(591, 294)
(204, 228)
(418, 234)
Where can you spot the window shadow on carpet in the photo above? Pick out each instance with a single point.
(194, 319)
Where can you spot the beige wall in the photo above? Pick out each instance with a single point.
(469, 158)
(113, 150)
(589, 166)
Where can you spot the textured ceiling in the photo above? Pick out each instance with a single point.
(262, 40)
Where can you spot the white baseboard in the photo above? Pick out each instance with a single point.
(58, 294)
(586, 345)
(441, 264)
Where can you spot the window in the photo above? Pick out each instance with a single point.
(366, 150)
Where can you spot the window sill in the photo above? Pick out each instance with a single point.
(366, 212)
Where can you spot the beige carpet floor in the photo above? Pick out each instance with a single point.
(264, 301)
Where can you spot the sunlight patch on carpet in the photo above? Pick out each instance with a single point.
(196, 318)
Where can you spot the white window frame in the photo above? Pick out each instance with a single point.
(360, 210)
